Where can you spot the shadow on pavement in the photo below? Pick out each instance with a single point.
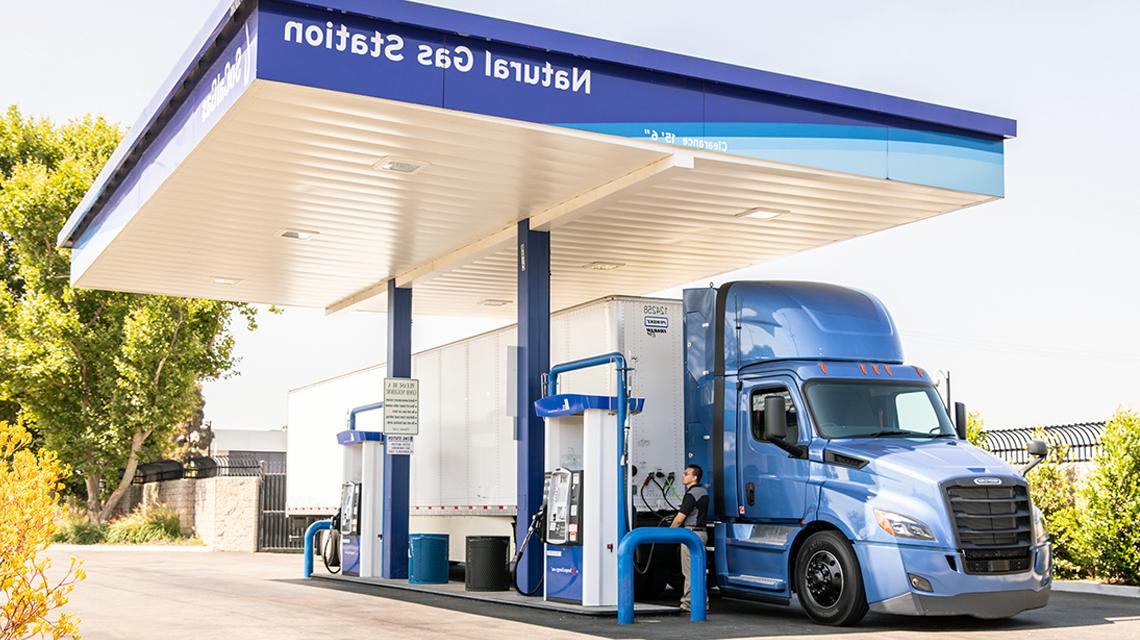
(737, 619)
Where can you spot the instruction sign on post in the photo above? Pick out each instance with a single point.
(398, 445)
(401, 406)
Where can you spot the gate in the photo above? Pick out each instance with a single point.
(273, 523)
(273, 526)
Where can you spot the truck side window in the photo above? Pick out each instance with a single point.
(915, 413)
(758, 414)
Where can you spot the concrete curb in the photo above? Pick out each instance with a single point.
(1086, 586)
(142, 548)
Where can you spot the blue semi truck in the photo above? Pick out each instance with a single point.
(835, 471)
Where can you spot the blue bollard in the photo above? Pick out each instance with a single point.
(662, 535)
(311, 533)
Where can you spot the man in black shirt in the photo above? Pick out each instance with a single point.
(693, 514)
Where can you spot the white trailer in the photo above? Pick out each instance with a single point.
(463, 469)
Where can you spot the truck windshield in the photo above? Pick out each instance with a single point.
(877, 409)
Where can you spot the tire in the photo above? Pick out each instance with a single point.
(828, 580)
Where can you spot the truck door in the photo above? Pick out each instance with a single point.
(772, 485)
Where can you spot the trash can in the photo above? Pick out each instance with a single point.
(488, 563)
(427, 558)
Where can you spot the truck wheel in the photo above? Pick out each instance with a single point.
(828, 581)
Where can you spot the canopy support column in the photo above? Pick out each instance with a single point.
(533, 361)
(394, 504)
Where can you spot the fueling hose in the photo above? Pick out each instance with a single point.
(652, 547)
(536, 523)
(664, 494)
(332, 538)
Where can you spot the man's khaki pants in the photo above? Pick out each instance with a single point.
(685, 568)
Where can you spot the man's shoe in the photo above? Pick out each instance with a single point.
(686, 607)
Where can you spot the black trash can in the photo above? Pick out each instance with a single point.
(488, 563)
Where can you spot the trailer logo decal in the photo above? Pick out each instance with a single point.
(987, 481)
(656, 324)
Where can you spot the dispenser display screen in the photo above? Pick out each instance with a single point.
(350, 509)
(564, 507)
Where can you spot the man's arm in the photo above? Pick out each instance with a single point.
(687, 506)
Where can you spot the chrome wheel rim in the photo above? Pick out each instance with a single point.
(823, 577)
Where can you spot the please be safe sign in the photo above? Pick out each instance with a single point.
(401, 406)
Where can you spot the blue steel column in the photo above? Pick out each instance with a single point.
(533, 361)
(394, 518)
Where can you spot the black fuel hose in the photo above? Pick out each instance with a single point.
(330, 539)
(664, 494)
(652, 547)
(535, 524)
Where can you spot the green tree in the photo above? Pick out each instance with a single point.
(192, 437)
(1112, 501)
(103, 375)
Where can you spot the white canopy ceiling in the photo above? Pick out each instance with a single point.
(625, 216)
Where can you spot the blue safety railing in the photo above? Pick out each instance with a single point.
(618, 361)
(361, 409)
(662, 535)
(311, 533)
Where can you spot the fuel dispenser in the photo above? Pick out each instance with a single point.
(360, 494)
(582, 497)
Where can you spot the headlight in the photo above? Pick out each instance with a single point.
(901, 526)
(1040, 535)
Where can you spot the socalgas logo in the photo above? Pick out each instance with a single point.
(236, 72)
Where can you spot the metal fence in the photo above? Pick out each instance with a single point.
(214, 466)
(199, 467)
(1083, 440)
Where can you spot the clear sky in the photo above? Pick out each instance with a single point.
(1038, 303)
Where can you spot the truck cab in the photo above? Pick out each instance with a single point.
(835, 472)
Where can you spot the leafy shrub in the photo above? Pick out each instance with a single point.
(78, 530)
(975, 431)
(1053, 485)
(29, 507)
(149, 523)
(1112, 501)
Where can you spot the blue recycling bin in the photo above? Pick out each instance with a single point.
(427, 558)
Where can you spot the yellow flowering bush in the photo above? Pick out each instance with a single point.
(29, 506)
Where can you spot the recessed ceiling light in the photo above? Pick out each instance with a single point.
(603, 266)
(227, 281)
(763, 213)
(400, 165)
(299, 234)
(493, 302)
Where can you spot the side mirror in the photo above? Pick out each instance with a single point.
(960, 419)
(775, 420)
(1038, 450)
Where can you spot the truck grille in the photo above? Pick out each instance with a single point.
(992, 524)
